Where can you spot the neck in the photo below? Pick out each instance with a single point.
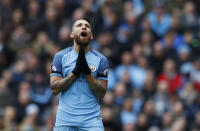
(76, 47)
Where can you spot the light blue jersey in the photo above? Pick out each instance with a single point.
(78, 106)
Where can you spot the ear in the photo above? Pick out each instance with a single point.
(92, 37)
(72, 35)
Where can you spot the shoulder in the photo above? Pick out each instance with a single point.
(61, 53)
(103, 59)
(100, 55)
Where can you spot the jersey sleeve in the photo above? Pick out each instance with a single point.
(103, 69)
(56, 67)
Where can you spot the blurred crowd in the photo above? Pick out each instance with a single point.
(153, 47)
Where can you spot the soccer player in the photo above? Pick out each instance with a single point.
(79, 75)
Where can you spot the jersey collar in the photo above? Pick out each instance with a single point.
(76, 54)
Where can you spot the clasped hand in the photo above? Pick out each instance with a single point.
(81, 64)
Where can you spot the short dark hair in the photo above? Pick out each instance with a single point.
(86, 19)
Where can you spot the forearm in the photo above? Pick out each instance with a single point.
(62, 84)
(97, 87)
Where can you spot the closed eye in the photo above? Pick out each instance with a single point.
(79, 25)
(87, 25)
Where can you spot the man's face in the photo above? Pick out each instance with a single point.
(81, 32)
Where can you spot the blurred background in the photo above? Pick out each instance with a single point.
(153, 47)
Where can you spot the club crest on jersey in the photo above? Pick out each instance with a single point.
(53, 68)
(92, 68)
(106, 71)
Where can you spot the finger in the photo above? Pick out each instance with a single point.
(81, 48)
(82, 53)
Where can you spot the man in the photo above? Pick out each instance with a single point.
(79, 75)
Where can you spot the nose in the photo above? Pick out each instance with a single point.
(84, 28)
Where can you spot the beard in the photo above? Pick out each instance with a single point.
(82, 41)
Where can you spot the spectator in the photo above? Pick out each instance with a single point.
(1, 122)
(120, 93)
(51, 22)
(23, 100)
(107, 119)
(136, 51)
(135, 72)
(5, 94)
(157, 58)
(184, 54)
(159, 19)
(60, 6)
(30, 121)
(179, 125)
(177, 110)
(18, 71)
(105, 45)
(42, 46)
(138, 7)
(171, 76)
(123, 34)
(173, 39)
(109, 102)
(186, 70)
(142, 124)
(196, 125)
(127, 116)
(146, 41)
(189, 19)
(149, 85)
(17, 18)
(167, 122)
(161, 97)
(33, 18)
(3, 60)
(6, 10)
(39, 92)
(195, 74)
(9, 118)
(168, 44)
(129, 127)
(193, 109)
(110, 18)
(64, 37)
(49, 123)
(188, 94)
(19, 39)
(137, 101)
(150, 113)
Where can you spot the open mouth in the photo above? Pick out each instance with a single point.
(83, 34)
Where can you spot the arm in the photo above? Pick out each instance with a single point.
(59, 84)
(98, 86)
